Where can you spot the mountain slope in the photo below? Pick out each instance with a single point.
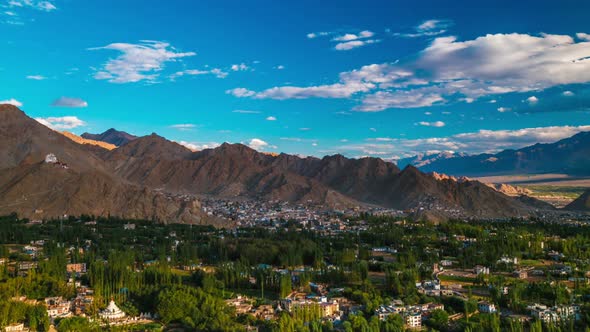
(78, 182)
(111, 136)
(569, 156)
(581, 203)
(82, 140)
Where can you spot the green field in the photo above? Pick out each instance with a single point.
(556, 191)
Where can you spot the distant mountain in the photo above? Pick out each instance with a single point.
(568, 156)
(111, 136)
(44, 174)
(424, 159)
(235, 170)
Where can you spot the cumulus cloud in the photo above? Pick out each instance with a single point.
(482, 141)
(69, 102)
(240, 67)
(583, 36)
(61, 123)
(567, 93)
(197, 146)
(504, 109)
(241, 92)
(532, 100)
(431, 124)
(271, 118)
(36, 77)
(12, 102)
(138, 62)
(259, 145)
(348, 40)
(451, 70)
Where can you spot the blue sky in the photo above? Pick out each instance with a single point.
(381, 78)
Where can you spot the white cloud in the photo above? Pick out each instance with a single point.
(352, 36)
(428, 28)
(13, 16)
(196, 72)
(258, 144)
(12, 102)
(431, 124)
(567, 93)
(532, 100)
(347, 41)
(583, 36)
(61, 123)
(398, 99)
(280, 67)
(271, 118)
(241, 92)
(183, 126)
(483, 141)
(504, 109)
(69, 102)
(240, 67)
(246, 112)
(36, 77)
(452, 70)
(346, 46)
(218, 72)
(138, 62)
(46, 6)
(196, 146)
(313, 35)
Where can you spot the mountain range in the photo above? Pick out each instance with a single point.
(568, 156)
(111, 136)
(46, 174)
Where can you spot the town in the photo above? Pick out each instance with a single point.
(294, 269)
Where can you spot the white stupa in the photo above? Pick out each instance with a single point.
(112, 312)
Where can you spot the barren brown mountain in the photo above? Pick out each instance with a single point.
(71, 180)
(144, 177)
(111, 136)
(235, 170)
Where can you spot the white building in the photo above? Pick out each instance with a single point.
(51, 159)
(112, 312)
(413, 319)
(481, 270)
(486, 307)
